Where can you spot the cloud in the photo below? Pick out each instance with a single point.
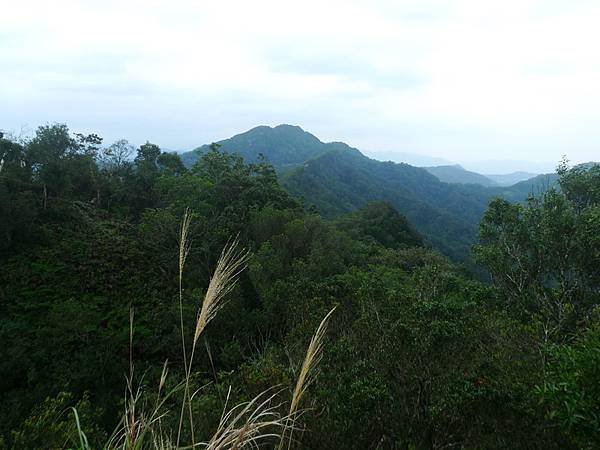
(359, 65)
(459, 79)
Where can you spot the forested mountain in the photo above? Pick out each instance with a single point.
(536, 186)
(339, 179)
(146, 305)
(283, 146)
(457, 174)
(344, 180)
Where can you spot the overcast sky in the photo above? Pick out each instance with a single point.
(462, 80)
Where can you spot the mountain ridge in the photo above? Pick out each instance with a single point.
(456, 173)
(296, 145)
(339, 179)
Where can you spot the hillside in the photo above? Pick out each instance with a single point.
(448, 215)
(111, 273)
(338, 179)
(457, 174)
(343, 180)
(537, 185)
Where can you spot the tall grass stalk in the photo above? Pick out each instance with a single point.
(305, 377)
(185, 246)
(230, 264)
(247, 424)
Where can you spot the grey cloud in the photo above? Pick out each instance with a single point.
(93, 72)
(351, 64)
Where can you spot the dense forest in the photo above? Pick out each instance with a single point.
(317, 315)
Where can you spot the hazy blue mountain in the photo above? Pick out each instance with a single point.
(504, 166)
(457, 174)
(587, 165)
(519, 192)
(509, 179)
(408, 158)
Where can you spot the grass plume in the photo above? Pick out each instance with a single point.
(312, 358)
(305, 377)
(248, 424)
(230, 264)
(185, 246)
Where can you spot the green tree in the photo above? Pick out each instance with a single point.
(381, 223)
(116, 156)
(142, 186)
(170, 164)
(18, 208)
(570, 392)
(544, 257)
(48, 150)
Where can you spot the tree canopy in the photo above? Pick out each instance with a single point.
(419, 353)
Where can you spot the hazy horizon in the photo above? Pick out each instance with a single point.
(484, 166)
(459, 80)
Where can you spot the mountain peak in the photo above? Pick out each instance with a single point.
(286, 126)
(284, 145)
(283, 127)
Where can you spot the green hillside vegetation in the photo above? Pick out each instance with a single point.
(344, 180)
(416, 354)
(379, 222)
(338, 179)
(457, 174)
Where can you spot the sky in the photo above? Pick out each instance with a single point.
(467, 81)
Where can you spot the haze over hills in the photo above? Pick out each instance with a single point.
(408, 158)
(289, 145)
(509, 179)
(507, 166)
(457, 174)
(339, 179)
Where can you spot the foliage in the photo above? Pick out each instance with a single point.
(571, 392)
(544, 258)
(419, 354)
(336, 179)
(545, 255)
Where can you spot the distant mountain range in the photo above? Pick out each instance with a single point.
(511, 178)
(457, 174)
(505, 166)
(408, 158)
(444, 203)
